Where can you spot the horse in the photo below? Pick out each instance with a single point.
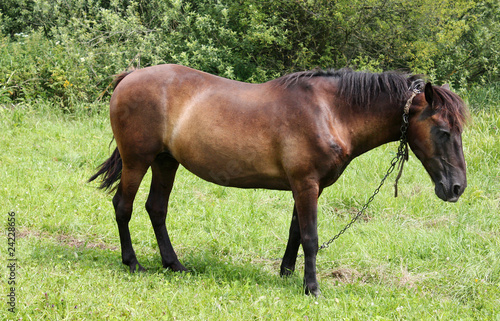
(297, 133)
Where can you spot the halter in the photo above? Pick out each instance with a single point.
(402, 155)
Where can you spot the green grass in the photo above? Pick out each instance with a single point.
(412, 257)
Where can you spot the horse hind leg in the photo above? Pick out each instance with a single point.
(290, 256)
(123, 200)
(164, 168)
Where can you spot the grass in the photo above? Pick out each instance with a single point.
(411, 257)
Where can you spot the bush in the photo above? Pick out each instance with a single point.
(33, 67)
(67, 50)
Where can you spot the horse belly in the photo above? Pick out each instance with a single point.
(244, 169)
(226, 156)
(232, 175)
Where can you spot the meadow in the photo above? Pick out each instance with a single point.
(408, 258)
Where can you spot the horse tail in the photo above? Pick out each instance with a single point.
(120, 77)
(111, 171)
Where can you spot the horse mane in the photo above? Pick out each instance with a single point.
(359, 89)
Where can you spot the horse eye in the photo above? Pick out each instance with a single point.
(444, 134)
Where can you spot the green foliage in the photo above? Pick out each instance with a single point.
(15, 16)
(475, 58)
(34, 68)
(68, 50)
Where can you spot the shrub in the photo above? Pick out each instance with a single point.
(66, 51)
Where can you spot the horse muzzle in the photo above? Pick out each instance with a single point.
(450, 191)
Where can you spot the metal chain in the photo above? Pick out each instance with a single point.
(399, 158)
(394, 162)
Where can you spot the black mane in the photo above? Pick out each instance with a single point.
(360, 88)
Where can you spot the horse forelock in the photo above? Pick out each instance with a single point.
(451, 107)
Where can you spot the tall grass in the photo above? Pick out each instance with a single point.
(411, 257)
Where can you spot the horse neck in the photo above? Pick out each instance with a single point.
(374, 126)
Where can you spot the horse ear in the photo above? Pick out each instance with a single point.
(429, 93)
(446, 86)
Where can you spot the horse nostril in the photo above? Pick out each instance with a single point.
(457, 189)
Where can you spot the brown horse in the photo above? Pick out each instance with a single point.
(298, 133)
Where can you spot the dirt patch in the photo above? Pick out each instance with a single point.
(351, 212)
(440, 221)
(411, 280)
(401, 278)
(67, 240)
(345, 275)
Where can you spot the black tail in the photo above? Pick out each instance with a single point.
(120, 77)
(111, 170)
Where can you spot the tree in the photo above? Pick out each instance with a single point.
(86, 41)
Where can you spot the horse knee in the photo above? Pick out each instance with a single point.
(157, 212)
(310, 244)
(123, 211)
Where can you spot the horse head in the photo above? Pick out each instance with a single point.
(435, 136)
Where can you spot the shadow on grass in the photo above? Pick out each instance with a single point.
(201, 263)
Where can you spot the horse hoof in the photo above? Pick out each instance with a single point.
(177, 267)
(284, 272)
(315, 291)
(136, 268)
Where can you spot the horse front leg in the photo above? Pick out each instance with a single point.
(306, 203)
(292, 247)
